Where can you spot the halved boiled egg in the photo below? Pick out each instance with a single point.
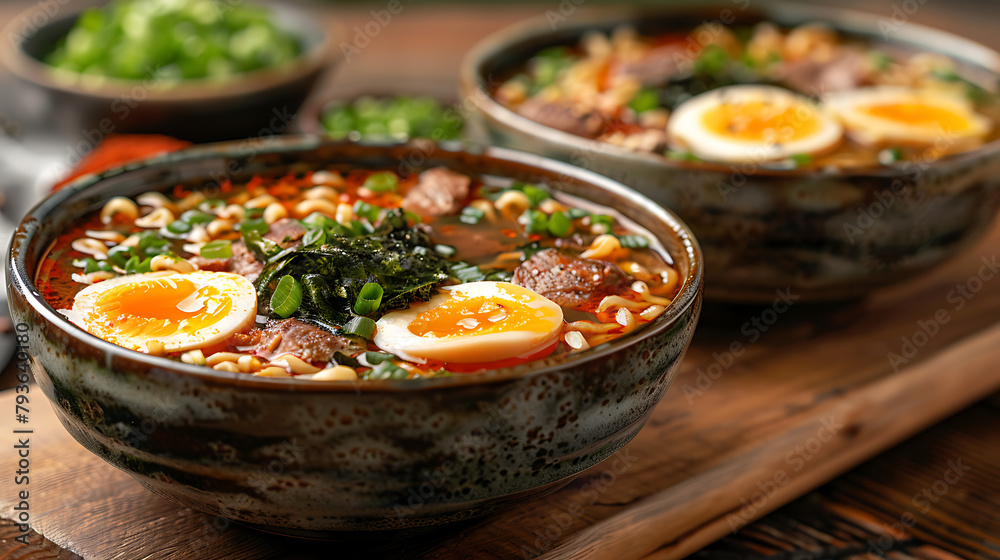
(752, 123)
(180, 311)
(909, 117)
(473, 322)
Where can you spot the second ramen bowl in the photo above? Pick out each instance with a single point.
(824, 234)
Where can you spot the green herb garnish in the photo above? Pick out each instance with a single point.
(360, 326)
(218, 249)
(384, 181)
(646, 100)
(633, 241)
(559, 224)
(369, 299)
(287, 297)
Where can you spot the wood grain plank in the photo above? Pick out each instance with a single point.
(883, 507)
(871, 418)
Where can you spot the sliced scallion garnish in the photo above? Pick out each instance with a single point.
(287, 297)
(361, 326)
(218, 249)
(384, 181)
(369, 299)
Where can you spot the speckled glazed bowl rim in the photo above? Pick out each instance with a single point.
(21, 278)
(911, 35)
(316, 56)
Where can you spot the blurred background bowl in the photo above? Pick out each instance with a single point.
(392, 455)
(824, 234)
(256, 103)
(383, 116)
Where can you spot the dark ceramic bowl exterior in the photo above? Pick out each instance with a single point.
(824, 234)
(314, 459)
(259, 103)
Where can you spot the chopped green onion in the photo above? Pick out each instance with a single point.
(535, 195)
(196, 217)
(319, 219)
(537, 222)
(801, 160)
(257, 224)
(466, 272)
(388, 370)
(287, 297)
(136, 266)
(381, 182)
(218, 249)
(577, 213)
(471, 215)
(633, 241)
(367, 211)
(559, 224)
(360, 326)
(92, 265)
(712, 61)
(178, 227)
(681, 156)
(445, 250)
(119, 255)
(376, 358)
(602, 220)
(315, 236)
(369, 299)
(647, 99)
(361, 228)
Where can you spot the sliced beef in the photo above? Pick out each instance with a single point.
(309, 342)
(439, 192)
(285, 232)
(564, 117)
(848, 69)
(242, 262)
(214, 265)
(656, 67)
(570, 281)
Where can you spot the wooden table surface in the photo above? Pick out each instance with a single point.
(936, 496)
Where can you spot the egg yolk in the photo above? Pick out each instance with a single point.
(761, 121)
(478, 315)
(160, 307)
(919, 114)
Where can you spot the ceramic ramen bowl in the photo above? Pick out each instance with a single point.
(828, 233)
(318, 459)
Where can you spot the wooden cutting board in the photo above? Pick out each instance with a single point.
(769, 404)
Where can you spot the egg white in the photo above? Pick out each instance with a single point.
(687, 130)
(870, 129)
(236, 288)
(393, 333)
